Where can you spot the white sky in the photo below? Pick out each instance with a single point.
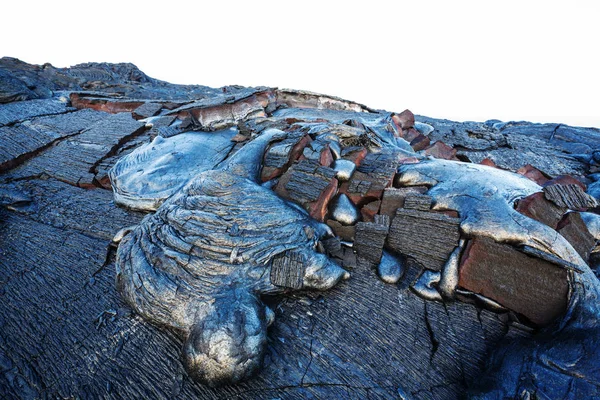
(461, 60)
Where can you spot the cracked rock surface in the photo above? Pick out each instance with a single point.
(227, 257)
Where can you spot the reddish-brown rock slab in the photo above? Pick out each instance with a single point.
(530, 286)
(421, 142)
(572, 228)
(404, 120)
(394, 198)
(318, 209)
(369, 210)
(533, 174)
(441, 150)
(356, 155)
(326, 158)
(571, 196)
(427, 237)
(105, 104)
(309, 184)
(364, 188)
(536, 206)
(344, 232)
(409, 134)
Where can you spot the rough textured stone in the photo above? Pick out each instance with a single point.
(530, 286)
(441, 150)
(370, 239)
(427, 237)
(536, 206)
(570, 196)
(573, 228)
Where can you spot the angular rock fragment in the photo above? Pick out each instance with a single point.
(536, 206)
(404, 120)
(287, 270)
(420, 202)
(370, 239)
(565, 180)
(441, 150)
(146, 110)
(571, 196)
(427, 237)
(573, 228)
(355, 154)
(410, 134)
(280, 155)
(344, 232)
(311, 185)
(530, 286)
(394, 198)
(421, 142)
(369, 211)
(534, 174)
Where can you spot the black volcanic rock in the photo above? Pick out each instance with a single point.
(65, 330)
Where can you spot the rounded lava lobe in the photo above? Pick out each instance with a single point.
(228, 344)
(322, 273)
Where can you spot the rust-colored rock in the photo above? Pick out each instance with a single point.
(318, 209)
(364, 188)
(536, 206)
(369, 210)
(404, 120)
(421, 142)
(572, 228)
(410, 134)
(104, 104)
(276, 162)
(488, 162)
(530, 286)
(356, 156)
(326, 158)
(533, 173)
(441, 150)
(393, 198)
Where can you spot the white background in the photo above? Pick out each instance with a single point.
(461, 60)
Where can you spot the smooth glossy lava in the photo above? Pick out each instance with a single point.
(344, 211)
